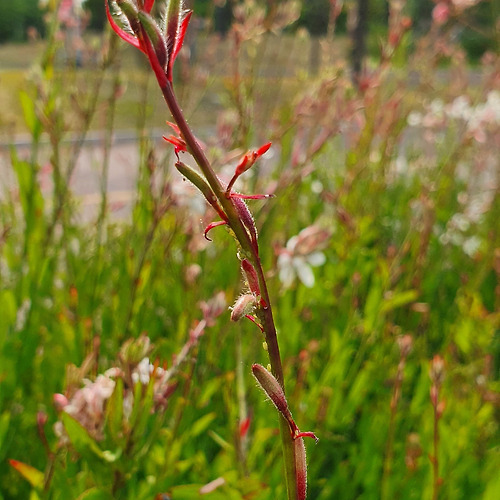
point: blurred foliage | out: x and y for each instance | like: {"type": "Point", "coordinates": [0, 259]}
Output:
{"type": "Point", "coordinates": [17, 17]}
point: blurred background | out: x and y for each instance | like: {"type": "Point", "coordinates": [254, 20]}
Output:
{"type": "Point", "coordinates": [121, 375]}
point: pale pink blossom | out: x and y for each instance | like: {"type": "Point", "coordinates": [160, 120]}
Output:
{"type": "Point", "coordinates": [440, 13]}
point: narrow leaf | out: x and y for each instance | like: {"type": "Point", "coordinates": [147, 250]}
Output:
{"type": "Point", "coordinates": [32, 475]}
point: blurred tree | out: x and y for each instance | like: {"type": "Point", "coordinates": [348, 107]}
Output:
{"type": "Point", "coordinates": [223, 16]}
{"type": "Point", "coordinates": [359, 34]}
{"type": "Point", "coordinates": [16, 17]}
{"type": "Point", "coordinates": [480, 33]}
{"type": "Point", "coordinates": [97, 14]}
{"type": "Point", "coordinates": [314, 16]}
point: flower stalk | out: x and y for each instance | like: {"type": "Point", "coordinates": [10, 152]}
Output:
{"type": "Point", "coordinates": [161, 44]}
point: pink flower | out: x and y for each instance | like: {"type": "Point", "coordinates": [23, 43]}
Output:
{"type": "Point", "coordinates": [440, 13]}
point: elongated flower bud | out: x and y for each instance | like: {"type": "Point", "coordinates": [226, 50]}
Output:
{"type": "Point", "coordinates": [243, 306]}
{"type": "Point", "coordinates": [273, 389]}
{"type": "Point", "coordinates": [202, 185]}
{"type": "Point", "coordinates": [155, 36]}
{"type": "Point", "coordinates": [300, 468]}
{"type": "Point", "coordinates": [131, 13]}
{"type": "Point", "coordinates": [247, 220]}
{"type": "Point", "coordinates": [251, 276]}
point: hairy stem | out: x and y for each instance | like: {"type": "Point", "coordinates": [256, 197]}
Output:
{"type": "Point", "coordinates": [265, 314]}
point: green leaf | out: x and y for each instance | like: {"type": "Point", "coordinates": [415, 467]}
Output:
{"type": "Point", "coordinates": [114, 412]}
{"type": "Point", "coordinates": [192, 492]}
{"type": "Point", "coordinates": [398, 299]}
{"type": "Point", "coordinates": [95, 494]}
{"type": "Point", "coordinates": [30, 118]}
{"type": "Point", "coordinates": [4, 427]}
{"type": "Point", "coordinates": [32, 475]}
{"type": "Point", "coordinates": [202, 424]}
{"type": "Point", "coordinates": [80, 438]}
{"type": "Point", "coordinates": [493, 489]}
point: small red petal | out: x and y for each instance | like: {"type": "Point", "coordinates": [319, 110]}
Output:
{"type": "Point", "coordinates": [148, 5]}
{"type": "Point", "coordinates": [179, 144]}
{"type": "Point", "coordinates": [242, 165]}
{"type": "Point", "coordinates": [263, 149]}
{"type": "Point", "coordinates": [174, 127]}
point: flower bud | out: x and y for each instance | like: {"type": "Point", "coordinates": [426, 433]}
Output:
{"type": "Point", "coordinates": [300, 468]}
{"type": "Point", "coordinates": [247, 220]}
{"type": "Point", "coordinates": [243, 306]}
{"type": "Point", "coordinates": [155, 36]}
{"type": "Point", "coordinates": [251, 276]}
{"type": "Point", "coordinates": [273, 389]}
{"type": "Point", "coordinates": [60, 401]}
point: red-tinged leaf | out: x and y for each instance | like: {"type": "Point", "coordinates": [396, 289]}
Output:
{"type": "Point", "coordinates": [251, 196]}
{"type": "Point", "coordinates": [32, 475]}
{"type": "Point", "coordinates": [309, 434]}
{"type": "Point", "coordinates": [254, 321]}
{"type": "Point", "coordinates": [211, 226]}
{"type": "Point", "coordinates": [120, 32]}
{"type": "Point", "coordinates": [178, 42]}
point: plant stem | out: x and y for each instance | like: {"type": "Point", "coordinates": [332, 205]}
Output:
{"type": "Point", "coordinates": [265, 313]}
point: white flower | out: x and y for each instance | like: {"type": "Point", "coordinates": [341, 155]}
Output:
{"type": "Point", "coordinates": [471, 245]}
{"type": "Point", "coordinates": [414, 119]}
{"type": "Point", "coordinates": [142, 372]}
{"type": "Point", "coordinates": [300, 255]}
{"type": "Point", "coordinates": [460, 108]}
{"type": "Point", "coordinates": [87, 404]}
